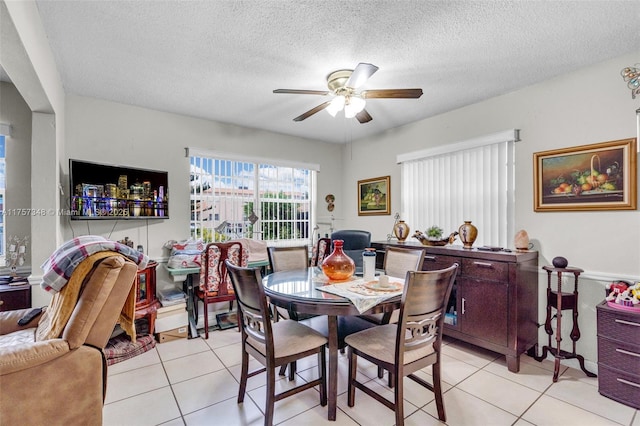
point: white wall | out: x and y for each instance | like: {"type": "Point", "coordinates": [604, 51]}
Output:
{"type": "Point", "coordinates": [587, 106]}
{"type": "Point", "coordinates": [112, 133]}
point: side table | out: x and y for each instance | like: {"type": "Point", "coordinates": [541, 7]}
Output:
{"type": "Point", "coordinates": [14, 297]}
{"type": "Point", "coordinates": [560, 301]}
{"type": "Point", "coordinates": [146, 301]}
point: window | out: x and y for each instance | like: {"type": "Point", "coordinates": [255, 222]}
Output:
{"type": "Point", "coordinates": [242, 198]}
{"type": "Point", "coordinates": [472, 180]}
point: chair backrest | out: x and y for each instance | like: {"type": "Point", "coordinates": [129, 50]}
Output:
{"type": "Point", "coordinates": [253, 312]}
{"type": "Point", "coordinates": [355, 241]}
{"type": "Point", "coordinates": [213, 270]}
{"type": "Point", "coordinates": [288, 258]}
{"type": "Point", "coordinates": [424, 301]}
{"type": "Point", "coordinates": [320, 251]}
{"type": "Point", "coordinates": [398, 261]}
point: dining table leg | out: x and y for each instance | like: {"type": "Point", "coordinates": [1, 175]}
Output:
{"type": "Point", "coordinates": [333, 365]}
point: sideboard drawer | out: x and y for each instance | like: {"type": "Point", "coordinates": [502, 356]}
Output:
{"type": "Point", "coordinates": [619, 325]}
{"type": "Point", "coordinates": [619, 385]}
{"type": "Point", "coordinates": [619, 354]}
{"type": "Point", "coordinates": [485, 269]}
{"type": "Point", "coordinates": [433, 262]}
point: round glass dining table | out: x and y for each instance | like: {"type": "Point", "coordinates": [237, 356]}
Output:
{"type": "Point", "coordinates": [297, 291]}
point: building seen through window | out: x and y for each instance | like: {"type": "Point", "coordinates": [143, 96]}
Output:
{"type": "Point", "coordinates": [243, 199]}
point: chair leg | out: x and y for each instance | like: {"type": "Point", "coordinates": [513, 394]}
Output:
{"type": "Point", "coordinates": [271, 396]}
{"type": "Point", "coordinates": [243, 376]}
{"type": "Point", "coordinates": [322, 371]}
{"type": "Point", "coordinates": [351, 389]}
{"type": "Point", "coordinates": [292, 371]}
{"type": "Point", "coordinates": [380, 372]}
{"type": "Point", "coordinates": [437, 391]}
{"type": "Point", "coordinates": [399, 398]}
{"type": "Point", "coordinates": [283, 370]}
{"type": "Point", "coordinates": [206, 317]}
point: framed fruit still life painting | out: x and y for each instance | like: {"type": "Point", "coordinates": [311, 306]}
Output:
{"type": "Point", "coordinates": [374, 196]}
{"type": "Point", "coordinates": [601, 176]}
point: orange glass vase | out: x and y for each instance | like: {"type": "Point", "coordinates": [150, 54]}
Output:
{"type": "Point", "coordinates": [338, 266]}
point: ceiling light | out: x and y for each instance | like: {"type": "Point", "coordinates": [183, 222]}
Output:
{"type": "Point", "coordinates": [354, 106]}
{"type": "Point", "coordinates": [336, 105]}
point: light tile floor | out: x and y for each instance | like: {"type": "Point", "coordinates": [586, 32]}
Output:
{"type": "Point", "coordinates": [195, 382]}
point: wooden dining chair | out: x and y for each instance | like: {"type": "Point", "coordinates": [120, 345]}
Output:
{"type": "Point", "coordinates": [215, 285]}
{"type": "Point", "coordinates": [287, 259]}
{"type": "Point", "coordinates": [408, 346]}
{"type": "Point", "coordinates": [272, 344]}
{"type": "Point", "coordinates": [397, 262]}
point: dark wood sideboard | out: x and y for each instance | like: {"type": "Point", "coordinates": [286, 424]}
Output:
{"type": "Point", "coordinates": [494, 302]}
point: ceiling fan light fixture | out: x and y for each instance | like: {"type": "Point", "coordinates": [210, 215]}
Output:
{"type": "Point", "coordinates": [354, 106]}
{"type": "Point", "coordinates": [336, 105]}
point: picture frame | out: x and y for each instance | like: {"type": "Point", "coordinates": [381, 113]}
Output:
{"type": "Point", "coordinates": [600, 176]}
{"type": "Point", "coordinates": [374, 196]}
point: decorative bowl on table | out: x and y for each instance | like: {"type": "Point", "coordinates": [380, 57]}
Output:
{"type": "Point", "coordinates": [427, 241]}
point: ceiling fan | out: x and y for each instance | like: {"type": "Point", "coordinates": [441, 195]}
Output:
{"type": "Point", "coordinates": [343, 85]}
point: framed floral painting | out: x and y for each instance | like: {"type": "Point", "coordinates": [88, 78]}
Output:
{"type": "Point", "coordinates": [601, 176]}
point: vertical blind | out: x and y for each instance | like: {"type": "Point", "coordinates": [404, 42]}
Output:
{"type": "Point", "coordinates": [474, 181]}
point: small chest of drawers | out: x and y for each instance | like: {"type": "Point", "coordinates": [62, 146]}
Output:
{"type": "Point", "coordinates": [15, 297]}
{"type": "Point", "coordinates": [619, 354]}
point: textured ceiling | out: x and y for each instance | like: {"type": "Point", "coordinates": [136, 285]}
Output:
{"type": "Point", "coordinates": [221, 60]}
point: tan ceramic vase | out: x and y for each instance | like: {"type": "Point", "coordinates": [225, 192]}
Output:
{"type": "Point", "coordinates": [401, 230]}
{"type": "Point", "coordinates": [468, 234]}
{"type": "Point", "coordinates": [338, 266]}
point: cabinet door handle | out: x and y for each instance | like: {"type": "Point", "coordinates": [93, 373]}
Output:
{"type": "Point", "coordinates": [622, 351]}
{"type": "Point", "coordinates": [627, 322]}
{"type": "Point", "coordinates": [463, 305]}
{"type": "Point", "coordinates": [431, 258]}
{"type": "Point", "coordinates": [483, 264]}
{"type": "Point", "coordinates": [627, 382]}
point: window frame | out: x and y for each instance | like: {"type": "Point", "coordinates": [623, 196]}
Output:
{"type": "Point", "coordinates": [205, 227]}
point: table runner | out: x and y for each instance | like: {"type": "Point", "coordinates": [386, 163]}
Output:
{"type": "Point", "coordinates": [362, 297]}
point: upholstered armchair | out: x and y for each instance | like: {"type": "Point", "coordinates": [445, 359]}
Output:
{"type": "Point", "coordinates": [52, 370]}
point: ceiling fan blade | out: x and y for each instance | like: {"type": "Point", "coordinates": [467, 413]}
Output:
{"type": "Point", "coordinates": [363, 116]}
{"type": "Point", "coordinates": [312, 111]}
{"type": "Point", "coordinates": [361, 74]}
{"type": "Point", "coordinates": [392, 93]}
{"type": "Point", "coordinates": [302, 92]}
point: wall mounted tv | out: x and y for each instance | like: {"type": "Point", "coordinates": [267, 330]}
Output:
{"type": "Point", "coordinates": [103, 191]}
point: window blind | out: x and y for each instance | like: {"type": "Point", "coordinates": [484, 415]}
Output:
{"type": "Point", "coordinates": [474, 181]}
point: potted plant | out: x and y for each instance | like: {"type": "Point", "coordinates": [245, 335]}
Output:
{"type": "Point", "coordinates": [434, 233]}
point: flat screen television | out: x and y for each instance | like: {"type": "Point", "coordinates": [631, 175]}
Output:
{"type": "Point", "coordinates": [105, 191]}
